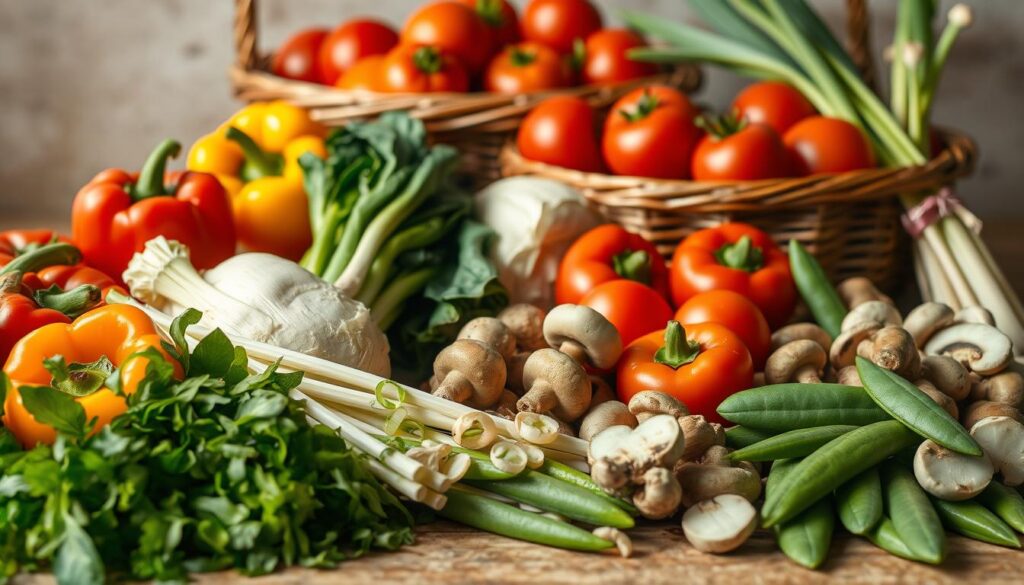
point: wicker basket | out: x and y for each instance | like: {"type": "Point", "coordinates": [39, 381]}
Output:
{"type": "Point", "coordinates": [478, 124]}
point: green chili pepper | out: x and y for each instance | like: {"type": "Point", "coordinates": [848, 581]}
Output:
{"type": "Point", "coordinates": [912, 514]}
{"type": "Point", "coordinates": [975, 521]}
{"type": "Point", "coordinates": [860, 502]}
{"type": "Point", "coordinates": [576, 477]}
{"type": "Point", "coordinates": [798, 443]}
{"type": "Point", "coordinates": [885, 537]}
{"type": "Point", "coordinates": [817, 291]}
{"type": "Point", "coordinates": [787, 407]}
{"type": "Point", "coordinates": [1005, 502]}
{"type": "Point", "coordinates": [484, 513]}
{"type": "Point", "coordinates": [907, 404]}
{"type": "Point", "coordinates": [833, 465]}
{"type": "Point", "coordinates": [740, 436]}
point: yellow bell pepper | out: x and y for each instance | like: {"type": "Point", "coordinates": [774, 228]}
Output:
{"type": "Point", "coordinates": [255, 156]}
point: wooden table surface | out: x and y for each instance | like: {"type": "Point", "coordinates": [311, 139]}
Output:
{"type": "Point", "coordinates": [450, 553]}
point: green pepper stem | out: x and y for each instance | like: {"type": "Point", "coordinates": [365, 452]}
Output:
{"type": "Point", "coordinates": [151, 178]}
{"type": "Point", "coordinates": [633, 265]}
{"type": "Point", "coordinates": [73, 302]}
{"type": "Point", "coordinates": [258, 162]}
{"type": "Point", "coordinates": [677, 351]}
{"type": "Point", "coordinates": [742, 255]}
{"type": "Point", "coordinates": [52, 254]}
{"type": "Point", "coordinates": [521, 57]}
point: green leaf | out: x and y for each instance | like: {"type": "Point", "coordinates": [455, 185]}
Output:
{"type": "Point", "coordinates": [77, 561]}
{"type": "Point", "coordinates": [262, 404]}
{"type": "Point", "coordinates": [55, 409]}
{"type": "Point", "coordinates": [214, 355]}
{"type": "Point", "coordinates": [178, 327]}
{"type": "Point", "coordinates": [5, 387]}
{"type": "Point", "coordinates": [78, 379]}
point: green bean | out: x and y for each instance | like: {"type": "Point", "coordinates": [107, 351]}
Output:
{"type": "Point", "coordinates": [484, 513]}
{"type": "Point", "coordinates": [833, 465]}
{"type": "Point", "coordinates": [912, 514]}
{"type": "Point", "coordinates": [554, 495]}
{"type": "Point", "coordinates": [860, 502]}
{"type": "Point", "coordinates": [817, 291]}
{"type": "Point", "coordinates": [806, 538]}
{"type": "Point", "coordinates": [739, 436]}
{"type": "Point", "coordinates": [559, 470]}
{"type": "Point", "coordinates": [1005, 502]}
{"type": "Point", "coordinates": [907, 404]}
{"type": "Point", "coordinates": [798, 443]}
{"type": "Point", "coordinates": [973, 520]}
{"type": "Point", "coordinates": [787, 407]}
{"type": "Point", "coordinates": [885, 537]}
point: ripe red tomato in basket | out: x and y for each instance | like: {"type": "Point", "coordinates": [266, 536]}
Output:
{"type": "Point", "coordinates": [526, 67]}
{"type": "Point", "coordinates": [828, 145]}
{"type": "Point", "coordinates": [605, 59]}
{"type": "Point", "coordinates": [298, 58]}
{"type": "Point", "coordinates": [453, 27]}
{"type": "Point", "coordinates": [421, 69]}
{"type": "Point", "coordinates": [650, 132]}
{"type": "Point", "coordinates": [773, 103]}
{"type": "Point", "coordinates": [559, 23]}
{"type": "Point", "coordinates": [739, 151]}
{"type": "Point", "coordinates": [560, 131]}
{"type": "Point", "coordinates": [500, 17]}
{"type": "Point", "coordinates": [351, 42]}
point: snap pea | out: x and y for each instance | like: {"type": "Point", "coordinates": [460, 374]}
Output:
{"type": "Point", "coordinates": [973, 520]}
{"type": "Point", "coordinates": [484, 513]}
{"type": "Point", "coordinates": [907, 404]}
{"type": "Point", "coordinates": [740, 436]}
{"type": "Point", "coordinates": [817, 291]}
{"type": "Point", "coordinates": [885, 537]}
{"type": "Point", "coordinates": [912, 514]}
{"type": "Point", "coordinates": [554, 495]}
{"type": "Point", "coordinates": [798, 443]}
{"type": "Point", "coordinates": [1005, 502]}
{"type": "Point", "coordinates": [860, 502]}
{"type": "Point", "coordinates": [559, 470]}
{"type": "Point", "coordinates": [787, 407]}
{"type": "Point", "coordinates": [833, 465]}
{"type": "Point", "coordinates": [806, 538]}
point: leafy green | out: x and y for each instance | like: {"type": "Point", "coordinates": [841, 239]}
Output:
{"type": "Point", "coordinates": [217, 470]}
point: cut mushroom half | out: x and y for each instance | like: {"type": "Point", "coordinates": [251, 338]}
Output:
{"type": "Point", "coordinates": [981, 348]}
{"type": "Point", "coordinates": [474, 430]}
{"type": "Point", "coordinates": [536, 428]}
{"type": "Point", "coordinates": [1002, 440]}
{"type": "Point", "coordinates": [619, 453]}
{"type": "Point", "coordinates": [721, 524]}
{"type": "Point", "coordinates": [584, 334]}
{"type": "Point", "coordinates": [949, 475]}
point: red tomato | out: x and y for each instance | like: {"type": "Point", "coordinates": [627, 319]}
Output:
{"type": "Point", "coordinates": [773, 103]}
{"type": "Point", "coordinates": [526, 67]}
{"type": "Point", "coordinates": [635, 309]}
{"type": "Point", "coordinates": [298, 58]}
{"type": "Point", "coordinates": [364, 75]}
{"type": "Point", "coordinates": [749, 153]}
{"type": "Point", "coordinates": [558, 23]}
{"type": "Point", "coordinates": [454, 28]}
{"type": "Point", "coordinates": [560, 131]}
{"type": "Point", "coordinates": [737, 313]}
{"type": "Point", "coordinates": [828, 145]}
{"type": "Point", "coordinates": [350, 42]}
{"type": "Point", "coordinates": [500, 17]}
{"type": "Point", "coordinates": [421, 69]}
{"type": "Point", "coordinates": [605, 60]}
{"type": "Point", "coordinates": [650, 132]}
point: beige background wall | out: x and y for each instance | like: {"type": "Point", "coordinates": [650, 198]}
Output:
{"type": "Point", "coordinates": [86, 84]}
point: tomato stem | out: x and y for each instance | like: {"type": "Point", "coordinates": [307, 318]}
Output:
{"type": "Point", "coordinates": [719, 127]}
{"type": "Point", "coordinates": [645, 106]}
{"type": "Point", "coordinates": [490, 12]}
{"type": "Point", "coordinates": [678, 350]}
{"type": "Point", "coordinates": [633, 265]}
{"type": "Point", "coordinates": [151, 177]}
{"type": "Point", "coordinates": [521, 57]}
{"type": "Point", "coordinates": [741, 255]}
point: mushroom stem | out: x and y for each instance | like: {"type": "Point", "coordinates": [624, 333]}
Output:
{"type": "Point", "coordinates": [574, 350]}
{"type": "Point", "coordinates": [454, 387]}
{"type": "Point", "coordinates": [678, 350]}
{"type": "Point", "coordinates": [807, 375]}
{"type": "Point", "coordinates": [541, 398]}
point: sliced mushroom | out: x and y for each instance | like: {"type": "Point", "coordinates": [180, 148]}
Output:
{"type": "Point", "coordinates": [535, 428]}
{"type": "Point", "coordinates": [527, 324]}
{"type": "Point", "coordinates": [584, 334]}
{"type": "Point", "coordinates": [604, 415]}
{"type": "Point", "coordinates": [619, 453]}
{"type": "Point", "coordinates": [720, 524]}
{"type": "Point", "coordinates": [801, 331]}
{"type": "Point", "coordinates": [474, 430]}
{"type": "Point", "coordinates": [648, 403]}
{"type": "Point", "coordinates": [927, 318]}
{"type": "Point", "coordinates": [947, 374]}
{"type": "Point", "coordinates": [555, 383]}
{"type": "Point", "coordinates": [844, 348]}
{"type": "Point", "coordinates": [471, 373]}
{"type": "Point", "coordinates": [858, 290]}
{"type": "Point", "coordinates": [948, 475]}
{"type": "Point", "coordinates": [1002, 440]}
{"type": "Point", "coordinates": [1006, 387]}
{"type": "Point", "coordinates": [659, 494]}
{"type": "Point", "coordinates": [492, 333]}
{"type": "Point", "coordinates": [892, 348]}
{"type": "Point", "coordinates": [881, 313]}
{"type": "Point", "coordinates": [980, 348]}
{"type": "Point", "coordinates": [800, 361]}
{"type": "Point", "coordinates": [621, 540]}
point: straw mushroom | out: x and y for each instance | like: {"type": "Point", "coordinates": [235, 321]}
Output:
{"type": "Point", "coordinates": [947, 374]}
{"type": "Point", "coordinates": [526, 322]}
{"type": "Point", "coordinates": [471, 373]}
{"type": "Point", "coordinates": [801, 331]}
{"type": "Point", "coordinates": [584, 334]}
{"type": "Point", "coordinates": [892, 348]}
{"type": "Point", "coordinates": [555, 383]}
{"type": "Point", "coordinates": [720, 524]}
{"type": "Point", "coordinates": [604, 415]}
{"type": "Point", "coordinates": [949, 475]}
{"type": "Point", "coordinates": [927, 318]}
{"type": "Point", "coordinates": [643, 405]}
{"type": "Point", "coordinates": [858, 290]}
{"type": "Point", "coordinates": [800, 361]}
{"type": "Point", "coordinates": [1006, 387]}
{"type": "Point", "coordinates": [881, 313]}
{"type": "Point", "coordinates": [981, 348]}
{"type": "Point", "coordinates": [492, 333]}
{"type": "Point", "coordinates": [715, 474]}
{"type": "Point", "coordinates": [1002, 440]}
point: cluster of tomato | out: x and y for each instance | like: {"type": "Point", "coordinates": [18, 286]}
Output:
{"type": "Point", "coordinates": [458, 45]}
{"type": "Point", "coordinates": [730, 286]}
{"type": "Point", "coordinates": [772, 131]}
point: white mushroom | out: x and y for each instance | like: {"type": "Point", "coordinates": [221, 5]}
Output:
{"type": "Point", "coordinates": [619, 453]}
{"type": "Point", "coordinates": [927, 318]}
{"type": "Point", "coordinates": [1002, 440]}
{"type": "Point", "coordinates": [797, 331]}
{"type": "Point", "coordinates": [604, 415]}
{"type": "Point", "coordinates": [975, 314]}
{"type": "Point", "coordinates": [892, 348]}
{"type": "Point", "coordinates": [492, 333]}
{"type": "Point", "coordinates": [536, 428]}
{"type": "Point", "coordinates": [527, 325]}
{"type": "Point", "coordinates": [858, 290]}
{"type": "Point", "coordinates": [800, 361]}
{"type": "Point", "coordinates": [620, 538]}
{"type": "Point", "coordinates": [584, 334]}
{"type": "Point", "coordinates": [844, 348]}
{"type": "Point", "coordinates": [715, 474]}
{"type": "Point", "coordinates": [474, 430]}
{"type": "Point", "coordinates": [647, 403]}
{"type": "Point", "coordinates": [721, 524]}
{"type": "Point", "coordinates": [947, 374]}
{"type": "Point", "coordinates": [981, 348]}
{"type": "Point", "coordinates": [877, 312]}
{"type": "Point", "coordinates": [555, 383]}
{"type": "Point", "coordinates": [469, 372]}
{"type": "Point", "coordinates": [949, 475]}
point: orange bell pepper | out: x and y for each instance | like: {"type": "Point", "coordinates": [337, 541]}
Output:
{"type": "Point", "coordinates": [701, 366]}
{"type": "Point", "coordinates": [255, 156]}
{"type": "Point", "coordinates": [113, 332]}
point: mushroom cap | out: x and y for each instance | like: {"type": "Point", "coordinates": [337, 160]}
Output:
{"type": "Point", "coordinates": [979, 347]}
{"type": "Point", "coordinates": [848, 376]}
{"type": "Point", "coordinates": [784, 363]}
{"type": "Point", "coordinates": [975, 314]}
{"type": "Point", "coordinates": [585, 327]}
{"type": "Point", "coordinates": [650, 402]}
{"type": "Point", "coordinates": [983, 409]}
{"type": "Point", "coordinates": [1002, 440]}
{"type": "Point", "coordinates": [878, 312]}
{"type": "Point", "coordinates": [1006, 387]}
{"type": "Point", "coordinates": [947, 374]}
{"type": "Point", "coordinates": [797, 331]}
{"type": "Point", "coordinates": [526, 322]}
{"type": "Point", "coordinates": [949, 475]}
{"type": "Point", "coordinates": [479, 365]}
{"type": "Point", "coordinates": [720, 524]}
{"type": "Point", "coordinates": [927, 318]}
{"type": "Point", "coordinates": [492, 333]}
{"type": "Point", "coordinates": [604, 415]}
{"type": "Point", "coordinates": [566, 378]}
{"type": "Point", "coordinates": [844, 348]}
{"type": "Point", "coordinates": [858, 289]}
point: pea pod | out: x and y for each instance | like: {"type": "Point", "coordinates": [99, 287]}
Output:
{"type": "Point", "coordinates": [975, 521]}
{"type": "Point", "coordinates": [806, 538]}
{"type": "Point", "coordinates": [885, 537]}
{"type": "Point", "coordinates": [787, 407]}
{"type": "Point", "coordinates": [559, 470]}
{"type": "Point", "coordinates": [860, 502]}
{"type": "Point", "coordinates": [833, 465]}
{"type": "Point", "coordinates": [817, 291]}
{"type": "Point", "coordinates": [740, 436]}
{"type": "Point", "coordinates": [798, 443]}
{"type": "Point", "coordinates": [554, 495]}
{"type": "Point", "coordinates": [484, 513]}
{"type": "Point", "coordinates": [1005, 502]}
{"type": "Point", "coordinates": [912, 514]}
{"type": "Point", "coordinates": [907, 404]}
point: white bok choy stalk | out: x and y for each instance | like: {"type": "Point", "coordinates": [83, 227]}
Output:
{"type": "Point", "coordinates": [263, 298]}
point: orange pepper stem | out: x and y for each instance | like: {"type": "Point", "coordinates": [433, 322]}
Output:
{"type": "Point", "coordinates": [258, 162]}
{"type": "Point", "coordinates": [77, 379]}
{"type": "Point", "coordinates": [677, 351]}
{"type": "Point", "coordinates": [151, 177]}
{"type": "Point", "coordinates": [52, 254]}
{"type": "Point", "coordinates": [73, 302]}
{"type": "Point", "coordinates": [633, 265]}
{"type": "Point", "coordinates": [743, 255]}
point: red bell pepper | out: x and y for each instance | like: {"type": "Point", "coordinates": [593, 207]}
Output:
{"type": "Point", "coordinates": [606, 253]}
{"type": "Point", "coordinates": [22, 311]}
{"type": "Point", "coordinates": [117, 212]}
{"type": "Point", "coordinates": [736, 257]}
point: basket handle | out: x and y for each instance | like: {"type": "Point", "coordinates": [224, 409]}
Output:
{"type": "Point", "coordinates": [245, 34]}
{"type": "Point", "coordinates": [858, 39]}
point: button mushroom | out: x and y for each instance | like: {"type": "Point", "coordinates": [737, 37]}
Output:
{"type": "Point", "coordinates": [800, 361]}
{"type": "Point", "coordinates": [948, 475]}
{"type": "Point", "coordinates": [981, 348]}
{"type": "Point", "coordinates": [947, 374]}
{"type": "Point", "coordinates": [715, 474]}
{"type": "Point", "coordinates": [720, 524]}
{"type": "Point", "coordinates": [1002, 440]}
{"type": "Point", "coordinates": [938, 397]}
{"type": "Point", "coordinates": [801, 331]}
{"type": "Point", "coordinates": [878, 312]}
{"type": "Point", "coordinates": [492, 333]}
{"type": "Point", "coordinates": [470, 373]}
{"type": "Point", "coordinates": [555, 383]}
{"type": "Point", "coordinates": [648, 403]}
{"type": "Point", "coordinates": [699, 436]}
{"type": "Point", "coordinates": [527, 324]}
{"type": "Point", "coordinates": [975, 314]}
{"type": "Point", "coordinates": [844, 348]}
{"type": "Point", "coordinates": [602, 391]}
{"type": "Point", "coordinates": [584, 334]}
{"type": "Point", "coordinates": [858, 290]}
{"type": "Point", "coordinates": [983, 409]}
{"type": "Point", "coordinates": [1005, 387]}
{"type": "Point", "coordinates": [659, 494]}
{"type": "Point", "coordinates": [892, 348]}
{"type": "Point", "coordinates": [619, 454]}
{"type": "Point", "coordinates": [849, 376]}
{"type": "Point", "coordinates": [604, 415]}
{"type": "Point", "coordinates": [927, 318]}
